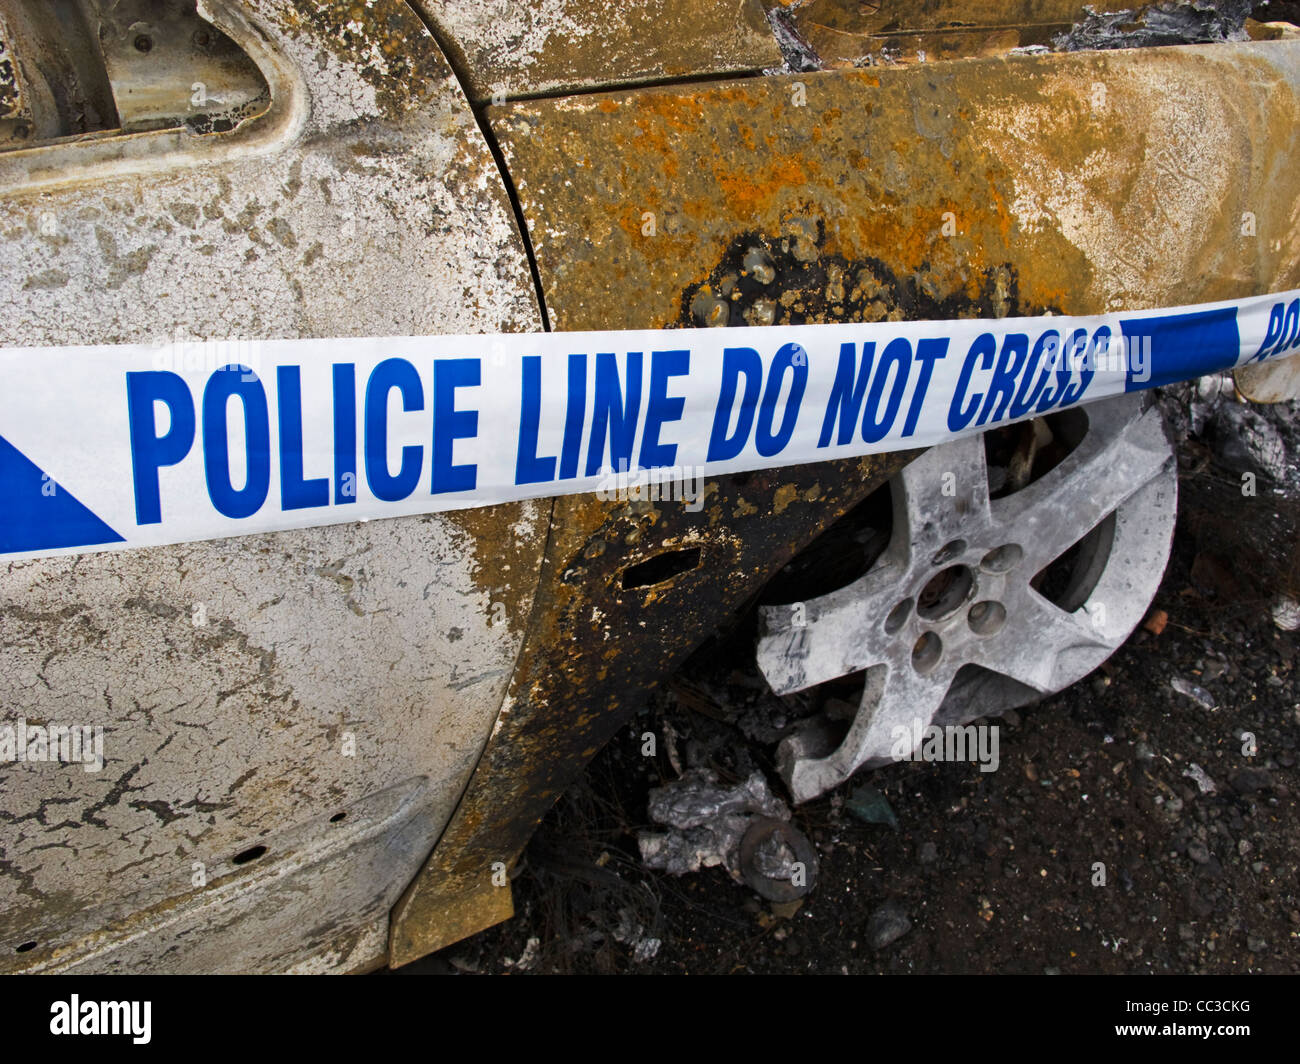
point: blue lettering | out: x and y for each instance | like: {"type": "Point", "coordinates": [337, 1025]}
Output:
{"type": "Point", "coordinates": [237, 382]}
{"type": "Point", "coordinates": [928, 352]}
{"type": "Point", "coordinates": [529, 469]}
{"type": "Point", "coordinates": [985, 348]}
{"type": "Point", "coordinates": [295, 492]}
{"type": "Point", "coordinates": [450, 424]}
{"type": "Point", "coordinates": [149, 451]}
{"type": "Point", "coordinates": [389, 374]}
{"type": "Point", "coordinates": [1002, 385]}
{"type": "Point", "coordinates": [575, 414]}
{"type": "Point", "coordinates": [345, 433]}
{"type": "Point", "coordinates": [614, 417]}
{"type": "Point", "coordinates": [736, 362]}
{"type": "Point", "coordinates": [660, 408]}
{"type": "Point", "coordinates": [1290, 325]}
{"type": "Point", "coordinates": [848, 391]}
{"type": "Point", "coordinates": [795, 359]}
{"type": "Point", "coordinates": [1047, 344]}
{"type": "Point", "coordinates": [1098, 347]}
{"type": "Point", "coordinates": [1272, 335]}
{"type": "Point", "coordinates": [896, 359]}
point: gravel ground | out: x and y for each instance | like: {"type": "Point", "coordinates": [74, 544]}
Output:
{"type": "Point", "coordinates": [996, 871]}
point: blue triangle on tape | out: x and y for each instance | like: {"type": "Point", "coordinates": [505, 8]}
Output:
{"type": "Point", "coordinates": [38, 514]}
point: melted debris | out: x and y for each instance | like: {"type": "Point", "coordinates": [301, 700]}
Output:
{"type": "Point", "coordinates": [1173, 22]}
{"type": "Point", "coordinates": [799, 55]}
{"type": "Point", "coordinates": [707, 821]}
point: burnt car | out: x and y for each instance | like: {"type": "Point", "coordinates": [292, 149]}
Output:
{"type": "Point", "coordinates": [324, 748]}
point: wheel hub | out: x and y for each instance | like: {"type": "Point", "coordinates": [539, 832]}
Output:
{"type": "Point", "coordinates": [953, 621]}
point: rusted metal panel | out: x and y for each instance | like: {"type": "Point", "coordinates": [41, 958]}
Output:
{"type": "Point", "coordinates": [550, 46]}
{"type": "Point", "coordinates": [288, 719]}
{"type": "Point", "coordinates": [15, 112]}
{"type": "Point", "coordinates": [1077, 183]}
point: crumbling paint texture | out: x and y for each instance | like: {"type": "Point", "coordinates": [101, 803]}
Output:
{"type": "Point", "coordinates": [551, 46]}
{"type": "Point", "coordinates": [289, 245]}
{"type": "Point", "coordinates": [230, 675]}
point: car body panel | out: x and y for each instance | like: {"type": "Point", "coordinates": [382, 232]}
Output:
{"type": "Point", "coordinates": [253, 689]}
{"type": "Point", "coordinates": [1074, 183]}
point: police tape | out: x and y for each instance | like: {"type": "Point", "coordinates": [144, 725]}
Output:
{"type": "Point", "coordinates": [114, 447]}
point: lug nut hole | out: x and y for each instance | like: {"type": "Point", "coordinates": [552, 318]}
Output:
{"type": "Point", "coordinates": [985, 618]}
{"type": "Point", "coordinates": [898, 616]}
{"type": "Point", "coordinates": [949, 551]}
{"type": "Point", "coordinates": [927, 652]}
{"type": "Point", "coordinates": [1002, 559]}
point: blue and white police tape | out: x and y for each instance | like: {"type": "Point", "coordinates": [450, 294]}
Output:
{"type": "Point", "coordinates": [113, 447]}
